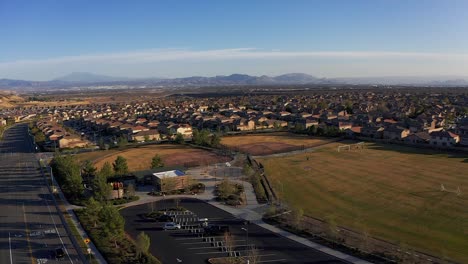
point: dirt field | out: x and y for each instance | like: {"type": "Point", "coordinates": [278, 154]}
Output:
{"type": "Point", "coordinates": [393, 192]}
{"type": "Point", "coordinates": [140, 158]}
{"type": "Point", "coordinates": [266, 144]}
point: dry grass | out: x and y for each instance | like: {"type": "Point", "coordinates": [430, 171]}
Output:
{"type": "Point", "coordinates": [394, 192]}
{"type": "Point", "coordinates": [266, 144]}
{"type": "Point", "coordinates": [140, 158]}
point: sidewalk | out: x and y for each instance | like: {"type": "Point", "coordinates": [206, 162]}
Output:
{"type": "Point", "coordinates": [252, 212]}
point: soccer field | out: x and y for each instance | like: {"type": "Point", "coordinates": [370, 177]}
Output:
{"type": "Point", "coordinates": [393, 192]}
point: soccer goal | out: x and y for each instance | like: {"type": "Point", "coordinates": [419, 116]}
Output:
{"type": "Point", "coordinates": [455, 191]}
{"type": "Point", "coordinates": [344, 147]}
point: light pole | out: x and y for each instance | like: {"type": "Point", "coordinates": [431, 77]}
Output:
{"type": "Point", "coordinates": [246, 229]}
{"type": "Point", "coordinates": [247, 234]}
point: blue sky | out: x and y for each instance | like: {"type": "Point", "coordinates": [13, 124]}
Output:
{"type": "Point", "coordinates": [41, 40]}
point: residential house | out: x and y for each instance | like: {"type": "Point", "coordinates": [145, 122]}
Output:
{"type": "Point", "coordinates": [395, 133]}
{"type": "Point", "coordinates": [372, 132]}
{"type": "Point", "coordinates": [444, 139]}
{"type": "Point", "coordinates": [152, 135]}
{"type": "Point", "coordinates": [418, 138]}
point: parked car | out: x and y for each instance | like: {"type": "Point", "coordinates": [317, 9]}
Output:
{"type": "Point", "coordinates": [171, 226]}
{"type": "Point", "coordinates": [166, 218]}
{"type": "Point", "coordinates": [59, 253]}
{"type": "Point", "coordinates": [215, 230]}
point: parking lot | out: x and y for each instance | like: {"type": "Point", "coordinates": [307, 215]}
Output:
{"type": "Point", "coordinates": [191, 245]}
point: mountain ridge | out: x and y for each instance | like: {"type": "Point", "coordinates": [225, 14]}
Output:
{"type": "Point", "coordinates": [83, 79]}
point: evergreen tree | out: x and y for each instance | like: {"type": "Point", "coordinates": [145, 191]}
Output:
{"type": "Point", "coordinates": [89, 170]}
{"type": "Point", "coordinates": [142, 243]}
{"type": "Point", "coordinates": [106, 170]}
{"type": "Point", "coordinates": [215, 140]}
{"type": "Point", "coordinates": [92, 210]}
{"type": "Point", "coordinates": [101, 189]}
{"type": "Point", "coordinates": [120, 166]}
{"type": "Point", "coordinates": [179, 139]}
{"type": "Point", "coordinates": [156, 162]}
{"type": "Point", "coordinates": [112, 223]}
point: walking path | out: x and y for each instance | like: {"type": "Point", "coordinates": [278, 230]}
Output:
{"type": "Point", "coordinates": [252, 211]}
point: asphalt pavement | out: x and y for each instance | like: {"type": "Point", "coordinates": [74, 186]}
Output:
{"type": "Point", "coordinates": [186, 246]}
{"type": "Point", "coordinates": [31, 227]}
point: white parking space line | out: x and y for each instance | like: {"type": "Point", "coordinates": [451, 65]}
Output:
{"type": "Point", "coordinates": [207, 242]}
{"type": "Point", "coordinates": [188, 238]}
{"type": "Point", "coordinates": [201, 247]}
{"type": "Point", "coordinates": [273, 260]}
{"type": "Point", "coordinates": [214, 252]}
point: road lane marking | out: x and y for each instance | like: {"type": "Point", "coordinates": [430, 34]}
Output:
{"type": "Point", "coordinates": [27, 235]}
{"type": "Point", "coordinates": [55, 225]}
{"type": "Point", "coordinates": [11, 255]}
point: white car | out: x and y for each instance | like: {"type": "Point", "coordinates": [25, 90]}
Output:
{"type": "Point", "coordinates": [171, 226]}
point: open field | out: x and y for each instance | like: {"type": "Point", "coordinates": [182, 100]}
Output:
{"type": "Point", "coordinates": [393, 192]}
{"type": "Point", "coordinates": [139, 158]}
{"type": "Point", "coordinates": [266, 144]}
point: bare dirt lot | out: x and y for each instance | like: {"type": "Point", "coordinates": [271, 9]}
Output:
{"type": "Point", "coordinates": [266, 144]}
{"type": "Point", "coordinates": [139, 158]}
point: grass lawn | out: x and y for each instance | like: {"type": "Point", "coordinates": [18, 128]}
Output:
{"type": "Point", "coordinates": [139, 158]}
{"type": "Point", "coordinates": [392, 191]}
{"type": "Point", "coordinates": [264, 144]}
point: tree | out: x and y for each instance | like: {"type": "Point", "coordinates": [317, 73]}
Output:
{"type": "Point", "coordinates": [39, 137]}
{"type": "Point", "coordinates": [92, 210]}
{"type": "Point", "coordinates": [156, 162]}
{"type": "Point", "coordinates": [112, 223]}
{"type": "Point", "coordinates": [296, 217]}
{"type": "Point", "coordinates": [101, 189]}
{"type": "Point", "coordinates": [225, 188]}
{"type": "Point", "coordinates": [74, 183]}
{"type": "Point", "coordinates": [130, 191]}
{"type": "Point", "coordinates": [101, 143]}
{"type": "Point", "coordinates": [120, 166]}
{"type": "Point", "coordinates": [89, 170]}
{"type": "Point", "coordinates": [122, 142]}
{"type": "Point", "coordinates": [228, 242]}
{"type": "Point", "coordinates": [179, 138]}
{"type": "Point", "coordinates": [253, 255]}
{"type": "Point", "coordinates": [106, 170]}
{"type": "Point", "coordinates": [142, 243]}
{"type": "Point", "coordinates": [69, 175]}
{"type": "Point", "coordinates": [313, 130]}
{"type": "Point", "coordinates": [147, 138]}
{"type": "Point", "coordinates": [332, 229]}
{"type": "Point", "coordinates": [215, 140]}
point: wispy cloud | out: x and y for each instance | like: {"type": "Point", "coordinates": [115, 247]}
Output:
{"type": "Point", "coordinates": [161, 55]}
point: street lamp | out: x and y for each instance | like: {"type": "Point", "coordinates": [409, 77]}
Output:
{"type": "Point", "coordinates": [247, 234]}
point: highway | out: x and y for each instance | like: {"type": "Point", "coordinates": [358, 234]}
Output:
{"type": "Point", "coordinates": [31, 228]}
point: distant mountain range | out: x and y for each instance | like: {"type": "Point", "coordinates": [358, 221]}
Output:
{"type": "Point", "coordinates": [84, 79]}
